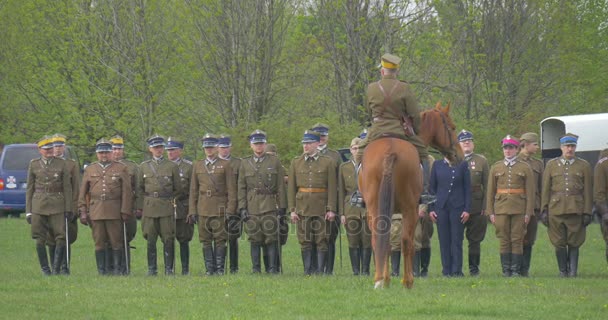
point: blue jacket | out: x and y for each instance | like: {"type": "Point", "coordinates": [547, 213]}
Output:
{"type": "Point", "coordinates": [451, 185]}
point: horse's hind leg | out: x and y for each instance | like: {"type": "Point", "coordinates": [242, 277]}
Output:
{"type": "Point", "coordinates": [409, 221]}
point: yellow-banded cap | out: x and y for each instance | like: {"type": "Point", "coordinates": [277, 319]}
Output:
{"type": "Point", "coordinates": [58, 139]}
{"type": "Point", "coordinates": [117, 142]}
{"type": "Point", "coordinates": [390, 61]}
{"type": "Point", "coordinates": [46, 142]}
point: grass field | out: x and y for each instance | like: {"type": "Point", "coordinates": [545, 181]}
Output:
{"type": "Point", "coordinates": [26, 294]}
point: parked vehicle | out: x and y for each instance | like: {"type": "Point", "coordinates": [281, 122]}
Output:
{"type": "Point", "coordinates": [14, 163]}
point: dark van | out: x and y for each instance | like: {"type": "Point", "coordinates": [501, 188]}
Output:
{"type": "Point", "coordinates": [14, 162]}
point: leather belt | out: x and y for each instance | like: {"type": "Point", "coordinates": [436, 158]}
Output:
{"type": "Point", "coordinates": [567, 193]}
{"type": "Point", "coordinates": [510, 191]}
{"type": "Point", "coordinates": [159, 195]}
{"type": "Point", "coordinates": [264, 191]}
{"type": "Point", "coordinates": [210, 193]}
{"type": "Point", "coordinates": [475, 188]}
{"type": "Point", "coordinates": [48, 190]}
{"type": "Point", "coordinates": [312, 190]}
{"type": "Point", "coordinates": [103, 197]}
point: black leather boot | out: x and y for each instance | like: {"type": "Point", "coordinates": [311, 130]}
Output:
{"type": "Point", "coordinates": [416, 263]}
{"type": "Point", "coordinates": [355, 260]}
{"type": "Point", "coordinates": [425, 261]}
{"type": "Point", "coordinates": [51, 253]}
{"type": "Point", "coordinates": [184, 256]}
{"type": "Point", "coordinates": [65, 269]}
{"type": "Point", "coordinates": [516, 260]}
{"type": "Point", "coordinates": [366, 257]}
{"type": "Point", "coordinates": [321, 261]}
{"type": "Point", "coordinates": [572, 262]}
{"type": "Point", "coordinates": [152, 264]}
{"type": "Point", "coordinates": [562, 261]}
{"type": "Point", "coordinates": [271, 249]}
{"type": "Point", "coordinates": [255, 258]}
{"type": "Point", "coordinates": [43, 259]}
{"type": "Point", "coordinates": [233, 247]}
{"type": "Point", "coordinates": [314, 262]}
{"type": "Point", "coordinates": [505, 262]}
{"type": "Point", "coordinates": [109, 260]}
{"type": "Point", "coordinates": [220, 259]}
{"type": "Point", "coordinates": [169, 257]}
{"type": "Point", "coordinates": [100, 259]}
{"type": "Point", "coordinates": [126, 265]}
{"type": "Point", "coordinates": [59, 256]}
{"type": "Point", "coordinates": [474, 264]}
{"type": "Point", "coordinates": [264, 257]}
{"type": "Point", "coordinates": [209, 260]}
{"type": "Point", "coordinates": [331, 253]}
{"type": "Point", "coordinates": [395, 260]}
{"type": "Point", "coordinates": [525, 262]}
{"type": "Point", "coordinates": [307, 261]}
{"type": "Point", "coordinates": [117, 258]}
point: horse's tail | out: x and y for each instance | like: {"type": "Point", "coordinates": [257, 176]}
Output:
{"type": "Point", "coordinates": [386, 208]}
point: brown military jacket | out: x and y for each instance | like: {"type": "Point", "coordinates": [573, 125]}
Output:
{"type": "Point", "coordinates": [312, 186]}
{"type": "Point", "coordinates": [347, 184]}
{"type": "Point", "coordinates": [132, 168]}
{"type": "Point", "coordinates": [109, 189]}
{"type": "Point", "coordinates": [537, 167]}
{"type": "Point", "coordinates": [185, 174]}
{"type": "Point", "coordinates": [511, 189]}
{"type": "Point", "coordinates": [261, 186]}
{"type": "Point", "coordinates": [600, 185]}
{"type": "Point", "coordinates": [479, 169]}
{"type": "Point", "coordinates": [49, 190]}
{"type": "Point", "coordinates": [74, 180]}
{"type": "Point", "coordinates": [212, 189]}
{"type": "Point", "coordinates": [567, 189]}
{"type": "Point", "coordinates": [332, 154]}
{"type": "Point", "coordinates": [157, 185]}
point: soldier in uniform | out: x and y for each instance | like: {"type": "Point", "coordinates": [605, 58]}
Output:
{"type": "Point", "coordinates": [529, 147]}
{"type": "Point", "coordinates": [158, 185]}
{"type": "Point", "coordinates": [354, 218]}
{"type": "Point", "coordinates": [118, 154]}
{"type": "Point", "coordinates": [262, 200]}
{"type": "Point", "coordinates": [422, 241]}
{"type": "Point", "coordinates": [510, 204]}
{"type": "Point", "coordinates": [566, 204]}
{"type": "Point", "coordinates": [105, 202]}
{"type": "Point", "coordinates": [312, 193]}
{"type": "Point", "coordinates": [212, 202]}
{"type": "Point", "coordinates": [271, 149]}
{"type": "Point", "coordinates": [235, 225]}
{"type": "Point", "coordinates": [59, 141]}
{"type": "Point", "coordinates": [600, 193]}
{"type": "Point", "coordinates": [48, 203]}
{"type": "Point", "coordinates": [183, 230]}
{"type": "Point", "coordinates": [475, 227]}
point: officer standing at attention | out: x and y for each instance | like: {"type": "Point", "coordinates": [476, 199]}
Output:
{"type": "Point", "coordinates": [235, 225]}
{"type": "Point", "coordinates": [475, 227]}
{"type": "Point", "coordinates": [118, 154]}
{"type": "Point", "coordinates": [600, 193]}
{"type": "Point", "coordinates": [271, 149]}
{"type": "Point", "coordinates": [311, 194]}
{"type": "Point", "coordinates": [566, 203]}
{"type": "Point", "coordinates": [529, 147]}
{"type": "Point", "coordinates": [183, 230]}
{"type": "Point", "coordinates": [158, 185]}
{"type": "Point", "coordinates": [48, 202]}
{"type": "Point", "coordinates": [262, 200]}
{"type": "Point", "coordinates": [212, 203]}
{"type": "Point", "coordinates": [106, 185]}
{"type": "Point", "coordinates": [510, 204]}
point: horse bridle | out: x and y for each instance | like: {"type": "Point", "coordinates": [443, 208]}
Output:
{"type": "Point", "coordinates": [448, 131]}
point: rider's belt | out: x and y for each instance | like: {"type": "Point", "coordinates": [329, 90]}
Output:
{"type": "Point", "coordinates": [312, 190]}
{"type": "Point", "coordinates": [48, 190]}
{"type": "Point", "coordinates": [510, 191]}
{"type": "Point", "coordinates": [210, 194]}
{"type": "Point", "coordinates": [160, 195]}
{"type": "Point", "coordinates": [264, 191]}
{"type": "Point", "coordinates": [103, 197]}
{"type": "Point", "coordinates": [566, 193]}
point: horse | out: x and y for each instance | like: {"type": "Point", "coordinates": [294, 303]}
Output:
{"type": "Point", "coordinates": [391, 181]}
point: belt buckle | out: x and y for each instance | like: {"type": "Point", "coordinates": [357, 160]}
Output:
{"type": "Point", "coordinates": [209, 193]}
{"type": "Point", "coordinates": [155, 194]}
{"type": "Point", "coordinates": [102, 197]}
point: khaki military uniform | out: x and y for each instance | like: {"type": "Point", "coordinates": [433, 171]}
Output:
{"type": "Point", "coordinates": [475, 227]}
{"type": "Point", "coordinates": [357, 229]}
{"type": "Point", "coordinates": [567, 195]}
{"type": "Point", "coordinates": [234, 235]}
{"type": "Point", "coordinates": [183, 231]}
{"type": "Point", "coordinates": [510, 194]}
{"type": "Point", "coordinates": [537, 167]}
{"type": "Point", "coordinates": [333, 228]}
{"type": "Point", "coordinates": [109, 190]}
{"type": "Point", "coordinates": [600, 191]}
{"type": "Point", "coordinates": [131, 224]}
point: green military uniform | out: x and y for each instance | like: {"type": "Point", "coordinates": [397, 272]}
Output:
{"type": "Point", "coordinates": [475, 227]}
{"type": "Point", "coordinates": [510, 194]}
{"type": "Point", "coordinates": [183, 230]}
{"type": "Point", "coordinates": [237, 226]}
{"type": "Point", "coordinates": [48, 198]}
{"type": "Point", "coordinates": [600, 193]}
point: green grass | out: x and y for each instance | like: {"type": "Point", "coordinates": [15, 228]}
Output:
{"type": "Point", "coordinates": [26, 294]}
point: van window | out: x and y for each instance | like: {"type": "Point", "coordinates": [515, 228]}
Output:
{"type": "Point", "coordinates": [19, 158]}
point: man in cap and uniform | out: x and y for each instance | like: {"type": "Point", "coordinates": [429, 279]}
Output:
{"type": "Point", "coordinates": [183, 230]}
{"type": "Point", "coordinates": [600, 193]}
{"type": "Point", "coordinates": [475, 227]}
{"type": "Point", "coordinates": [262, 200]}
{"type": "Point", "coordinates": [394, 113]}
{"type": "Point", "coordinates": [158, 185]}
{"type": "Point", "coordinates": [529, 147]}
{"type": "Point", "coordinates": [312, 193]}
{"type": "Point", "coordinates": [105, 202]}
{"type": "Point", "coordinates": [566, 203]}
{"type": "Point", "coordinates": [48, 203]}
{"type": "Point", "coordinates": [234, 224]}
{"type": "Point", "coordinates": [271, 149]}
{"type": "Point", "coordinates": [510, 204]}
{"type": "Point", "coordinates": [354, 218]}
{"type": "Point", "coordinates": [118, 154]}
{"type": "Point", "coordinates": [212, 203]}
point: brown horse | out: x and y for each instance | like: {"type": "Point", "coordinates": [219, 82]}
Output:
{"type": "Point", "coordinates": [391, 181]}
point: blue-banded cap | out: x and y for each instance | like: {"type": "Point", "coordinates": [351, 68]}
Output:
{"type": "Point", "coordinates": [174, 144]}
{"type": "Point", "coordinates": [363, 134]}
{"type": "Point", "coordinates": [224, 141]}
{"type": "Point", "coordinates": [103, 145]}
{"type": "Point", "coordinates": [568, 139]}
{"type": "Point", "coordinates": [311, 136]}
{"type": "Point", "coordinates": [155, 141]}
{"type": "Point", "coordinates": [257, 136]}
{"type": "Point", "coordinates": [465, 135]}
{"type": "Point", "coordinates": [321, 128]}
{"type": "Point", "coordinates": [210, 140]}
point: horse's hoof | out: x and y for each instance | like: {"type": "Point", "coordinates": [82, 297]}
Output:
{"type": "Point", "coordinates": [379, 284]}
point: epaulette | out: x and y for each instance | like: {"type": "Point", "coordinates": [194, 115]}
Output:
{"type": "Point", "coordinates": [146, 161]}
{"type": "Point", "coordinates": [187, 161]}
{"type": "Point", "coordinates": [499, 161]}
{"type": "Point", "coordinates": [602, 160]}
{"type": "Point", "coordinates": [583, 160]}
{"type": "Point", "coordinates": [480, 155]}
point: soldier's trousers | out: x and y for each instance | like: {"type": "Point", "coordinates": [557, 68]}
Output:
{"type": "Point", "coordinates": [424, 233]}
{"type": "Point", "coordinates": [358, 233]}
{"type": "Point", "coordinates": [72, 234]}
{"type": "Point", "coordinates": [131, 227]}
{"type": "Point", "coordinates": [161, 226]}
{"type": "Point", "coordinates": [566, 230]}
{"type": "Point", "coordinates": [212, 230]}
{"type": "Point", "coordinates": [183, 231]}
{"type": "Point", "coordinates": [531, 230]}
{"type": "Point", "coordinates": [510, 231]}
{"type": "Point", "coordinates": [107, 231]}
{"type": "Point", "coordinates": [262, 229]}
{"type": "Point", "coordinates": [395, 236]}
{"type": "Point", "coordinates": [475, 231]}
{"type": "Point", "coordinates": [53, 225]}
{"type": "Point", "coordinates": [312, 229]}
